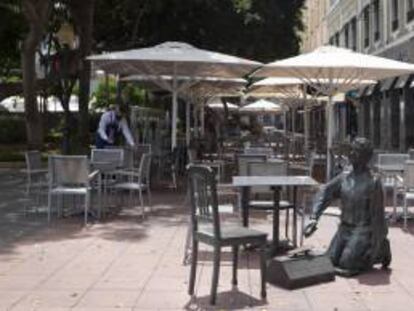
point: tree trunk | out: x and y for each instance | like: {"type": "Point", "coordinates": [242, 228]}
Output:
{"type": "Point", "coordinates": [83, 12]}
{"type": "Point", "coordinates": [35, 12]}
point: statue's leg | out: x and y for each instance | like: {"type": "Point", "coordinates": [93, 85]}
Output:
{"type": "Point", "coordinates": [385, 254]}
{"type": "Point", "coordinates": [354, 256]}
{"type": "Point", "coordinates": [338, 243]}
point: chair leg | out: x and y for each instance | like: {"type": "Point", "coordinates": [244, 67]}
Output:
{"type": "Point", "coordinates": [87, 198]}
{"type": "Point", "coordinates": [405, 213]}
{"type": "Point", "coordinates": [193, 267]}
{"type": "Point", "coordinates": [263, 270]}
{"type": "Point", "coordinates": [302, 227]}
{"type": "Point", "coordinates": [187, 246]}
{"type": "Point", "coordinates": [235, 262]}
{"type": "Point", "coordinates": [141, 201]}
{"type": "Point", "coordinates": [394, 200]}
{"type": "Point", "coordinates": [49, 206]}
{"type": "Point", "coordinates": [216, 271]}
{"type": "Point", "coordinates": [287, 223]}
{"type": "Point", "coordinates": [149, 197]}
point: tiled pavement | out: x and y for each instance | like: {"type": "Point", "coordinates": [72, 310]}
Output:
{"type": "Point", "coordinates": [124, 263]}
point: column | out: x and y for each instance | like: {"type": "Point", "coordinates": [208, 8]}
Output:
{"type": "Point", "coordinates": [402, 123]}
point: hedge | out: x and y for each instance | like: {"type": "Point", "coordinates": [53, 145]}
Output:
{"type": "Point", "coordinates": [12, 129]}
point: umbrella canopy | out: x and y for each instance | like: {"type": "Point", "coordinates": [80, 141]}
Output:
{"type": "Point", "coordinates": [340, 67]}
{"type": "Point", "coordinates": [262, 106]}
{"type": "Point", "coordinates": [293, 87]}
{"type": "Point", "coordinates": [174, 59]}
{"type": "Point", "coordinates": [216, 104]}
{"type": "Point", "coordinates": [331, 63]}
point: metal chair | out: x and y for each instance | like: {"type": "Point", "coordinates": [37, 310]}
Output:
{"type": "Point", "coordinates": [36, 177]}
{"type": "Point", "coordinates": [69, 175]}
{"type": "Point", "coordinates": [408, 187]}
{"type": "Point", "coordinates": [207, 228]}
{"type": "Point", "coordinates": [390, 166]}
{"type": "Point", "coordinates": [107, 161]}
{"type": "Point", "coordinates": [136, 180]}
{"type": "Point", "coordinates": [114, 156]}
{"type": "Point", "coordinates": [244, 159]}
{"type": "Point", "coordinates": [139, 150]}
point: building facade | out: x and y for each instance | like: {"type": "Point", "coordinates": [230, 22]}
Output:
{"type": "Point", "coordinates": [316, 33]}
{"type": "Point", "coordinates": [384, 28]}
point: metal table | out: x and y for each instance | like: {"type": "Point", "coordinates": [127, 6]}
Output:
{"type": "Point", "coordinates": [275, 182]}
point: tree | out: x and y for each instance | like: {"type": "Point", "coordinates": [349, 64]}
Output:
{"type": "Point", "coordinates": [36, 13]}
{"type": "Point", "coordinates": [83, 13]}
{"type": "Point", "coordinates": [259, 29]}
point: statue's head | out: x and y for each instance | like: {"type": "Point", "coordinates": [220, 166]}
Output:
{"type": "Point", "coordinates": [361, 152]}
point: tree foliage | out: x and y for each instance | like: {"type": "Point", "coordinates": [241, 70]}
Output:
{"type": "Point", "coordinates": [12, 30]}
{"type": "Point", "coordinates": [259, 29]}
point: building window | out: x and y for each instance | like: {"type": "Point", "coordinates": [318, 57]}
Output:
{"type": "Point", "coordinates": [394, 15]}
{"type": "Point", "coordinates": [410, 10]}
{"type": "Point", "coordinates": [346, 35]}
{"type": "Point", "coordinates": [376, 20]}
{"type": "Point", "coordinates": [366, 26]}
{"type": "Point", "coordinates": [337, 39]}
{"type": "Point", "coordinates": [354, 35]}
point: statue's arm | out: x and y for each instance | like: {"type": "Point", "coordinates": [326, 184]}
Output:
{"type": "Point", "coordinates": [326, 195]}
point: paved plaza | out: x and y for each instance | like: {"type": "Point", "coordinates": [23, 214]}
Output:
{"type": "Point", "coordinates": [124, 263]}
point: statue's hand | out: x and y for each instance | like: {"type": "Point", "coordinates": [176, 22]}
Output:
{"type": "Point", "coordinates": [310, 228]}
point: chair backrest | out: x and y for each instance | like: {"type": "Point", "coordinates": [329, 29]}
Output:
{"type": "Point", "coordinates": [139, 150]}
{"type": "Point", "coordinates": [411, 154]}
{"type": "Point", "coordinates": [68, 170]}
{"type": "Point", "coordinates": [269, 168]}
{"type": "Point", "coordinates": [244, 159]}
{"type": "Point", "coordinates": [203, 194]}
{"type": "Point", "coordinates": [259, 151]}
{"type": "Point", "coordinates": [397, 160]}
{"type": "Point", "coordinates": [128, 159]}
{"type": "Point", "coordinates": [409, 174]}
{"type": "Point", "coordinates": [33, 160]}
{"type": "Point", "coordinates": [115, 156]}
{"type": "Point", "coordinates": [145, 168]}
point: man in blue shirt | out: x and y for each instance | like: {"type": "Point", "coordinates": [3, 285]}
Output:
{"type": "Point", "coordinates": [111, 124]}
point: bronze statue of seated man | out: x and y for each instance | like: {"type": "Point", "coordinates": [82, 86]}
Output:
{"type": "Point", "coordinates": [361, 239]}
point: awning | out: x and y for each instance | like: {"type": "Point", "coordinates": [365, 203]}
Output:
{"type": "Point", "coordinates": [361, 92]}
{"type": "Point", "coordinates": [387, 84]}
{"type": "Point", "coordinates": [402, 81]}
{"type": "Point", "coordinates": [370, 90]}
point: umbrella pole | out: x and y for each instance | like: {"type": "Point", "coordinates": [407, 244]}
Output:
{"type": "Point", "coordinates": [306, 123]}
{"type": "Point", "coordinates": [187, 123]}
{"type": "Point", "coordinates": [174, 115]}
{"type": "Point", "coordinates": [202, 120]}
{"type": "Point", "coordinates": [329, 123]}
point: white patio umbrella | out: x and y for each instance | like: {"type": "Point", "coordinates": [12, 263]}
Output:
{"type": "Point", "coordinates": [337, 66]}
{"type": "Point", "coordinates": [174, 59]}
{"type": "Point", "coordinates": [262, 106]}
{"type": "Point", "coordinates": [292, 90]}
{"type": "Point", "coordinates": [197, 88]}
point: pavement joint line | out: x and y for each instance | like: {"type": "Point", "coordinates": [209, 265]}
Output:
{"type": "Point", "coordinates": [157, 266]}
{"type": "Point", "coordinates": [53, 273]}
{"type": "Point", "coordinates": [308, 301]}
{"type": "Point", "coordinates": [116, 258]}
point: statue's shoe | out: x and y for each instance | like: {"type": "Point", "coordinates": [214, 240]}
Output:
{"type": "Point", "coordinates": [345, 272]}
